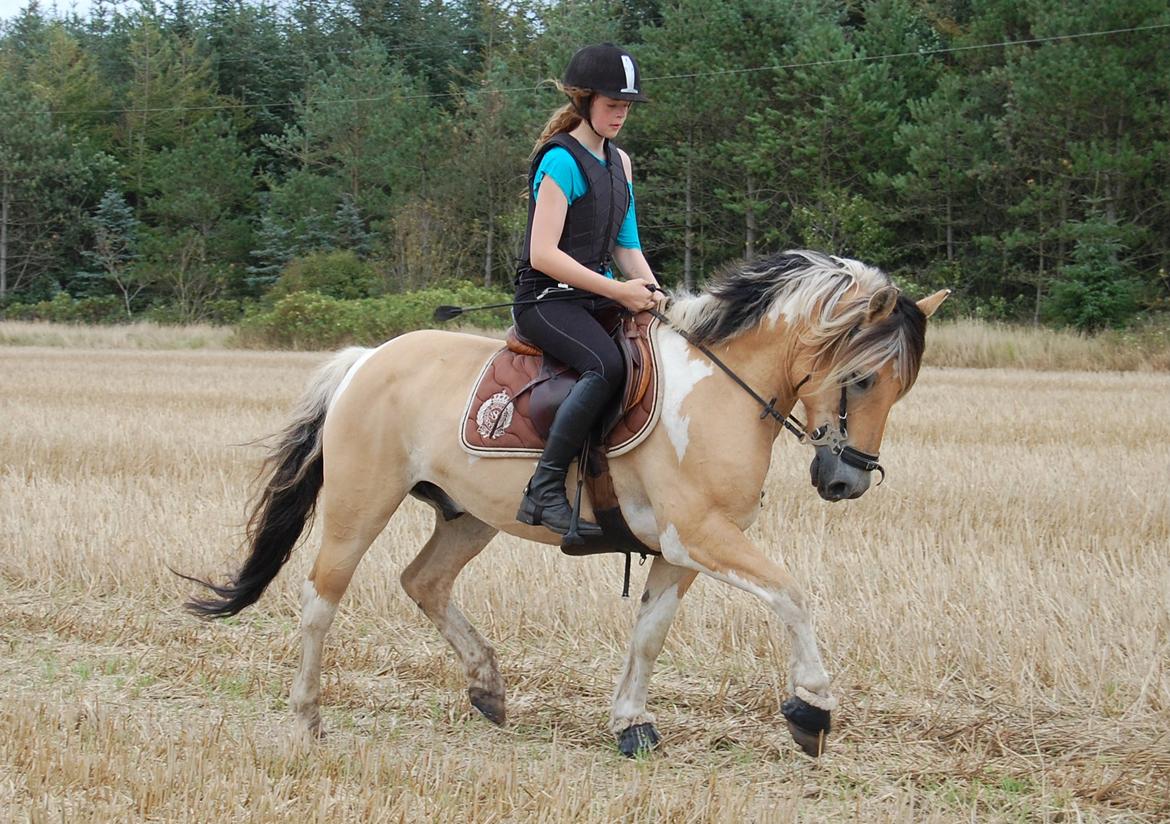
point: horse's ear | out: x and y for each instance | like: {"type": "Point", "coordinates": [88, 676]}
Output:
{"type": "Point", "coordinates": [881, 304]}
{"type": "Point", "coordinates": [929, 305]}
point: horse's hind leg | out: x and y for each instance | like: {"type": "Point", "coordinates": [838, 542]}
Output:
{"type": "Point", "coordinates": [428, 580]}
{"type": "Point", "coordinates": [349, 526]}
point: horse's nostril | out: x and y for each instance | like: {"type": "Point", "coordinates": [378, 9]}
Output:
{"type": "Point", "coordinates": [838, 490]}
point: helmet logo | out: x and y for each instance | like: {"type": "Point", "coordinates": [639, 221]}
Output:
{"type": "Point", "coordinates": [628, 65]}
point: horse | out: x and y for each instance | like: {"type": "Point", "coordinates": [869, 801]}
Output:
{"type": "Point", "coordinates": [376, 425]}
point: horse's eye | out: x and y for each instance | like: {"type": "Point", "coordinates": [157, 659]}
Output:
{"type": "Point", "coordinates": [862, 383]}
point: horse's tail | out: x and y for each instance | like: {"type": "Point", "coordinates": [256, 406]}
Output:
{"type": "Point", "coordinates": [286, 497]}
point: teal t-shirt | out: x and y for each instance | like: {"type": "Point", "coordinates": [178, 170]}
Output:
{"type": "Point", "coordinates": [558, 164]}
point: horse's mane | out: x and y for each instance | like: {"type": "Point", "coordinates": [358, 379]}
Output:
{"type": "Point", "coordinates": [809, 286]}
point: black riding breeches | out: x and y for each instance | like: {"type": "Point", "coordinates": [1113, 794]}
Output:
{"type": "Point", "coordinates": [570, 331]}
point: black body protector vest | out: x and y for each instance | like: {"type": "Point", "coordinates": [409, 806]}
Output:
{"type": "Point", "coordinates": [592, 221]}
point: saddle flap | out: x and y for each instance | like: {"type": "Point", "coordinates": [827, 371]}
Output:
{"type": "Point", "coordinates": [553, 385]}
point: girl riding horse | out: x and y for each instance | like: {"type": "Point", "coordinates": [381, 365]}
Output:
{"type": "Point", "coordinates": [580, 216]}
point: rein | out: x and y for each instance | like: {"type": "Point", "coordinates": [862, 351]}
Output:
{"type": "Point", "coordinates": [821, 436]}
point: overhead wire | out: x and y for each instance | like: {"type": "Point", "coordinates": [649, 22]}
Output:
{"type": "Point", "coordinates": [665, 77]}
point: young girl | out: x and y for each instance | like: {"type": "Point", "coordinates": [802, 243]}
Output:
{"type": "Point", "coordinates": [580, 218]}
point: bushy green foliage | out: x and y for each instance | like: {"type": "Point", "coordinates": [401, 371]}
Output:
{"type": "Point", "coordinates": [337, 274]}
{"type": "Point", "coordinates": [241, 140]}
{"type": "Point", "coordinates": [309, 320]}
{"type": "Point", "coordinates": [63, 308]}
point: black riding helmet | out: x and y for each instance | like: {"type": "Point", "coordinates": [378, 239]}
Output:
{"type": "Point", "coordinates": [606, 69]}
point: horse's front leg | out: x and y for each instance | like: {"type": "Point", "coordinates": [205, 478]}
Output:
{"type": "Point", "coordinates": [720, 549]}
{"type": "Point", "coordinates": [630, 722]}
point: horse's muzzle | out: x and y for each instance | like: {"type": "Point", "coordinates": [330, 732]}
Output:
{"type": "Point", "coordinates": [834, 479]}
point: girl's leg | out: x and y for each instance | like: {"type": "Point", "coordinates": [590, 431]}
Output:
{"type": "Point", "coordinates": [567, 331]}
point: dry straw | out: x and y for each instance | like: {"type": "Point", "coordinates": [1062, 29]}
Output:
{"type": "Point", "coordinates": [996, 617]}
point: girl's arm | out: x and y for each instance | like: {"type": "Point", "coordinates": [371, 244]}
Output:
{"type": "Point", "coordinates": [633, 264]}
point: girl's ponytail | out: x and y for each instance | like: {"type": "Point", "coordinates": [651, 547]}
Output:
{"type": "Point", "coordinates": [566, 118]}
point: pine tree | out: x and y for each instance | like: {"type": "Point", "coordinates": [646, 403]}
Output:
{"type": "Point", "coordinates": [275, 249]}
{"type": "Point", "coordinates": [1095, 291]}
{"type": "Point", "coordinates": [349, 230]}
{"type": "Point", "coordinates": [47, 182]}
{"type": "Point", "coordinates": [115, 247]}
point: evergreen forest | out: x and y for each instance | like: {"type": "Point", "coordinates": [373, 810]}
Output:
{"type": "Point", "coordinates": [203, 159]}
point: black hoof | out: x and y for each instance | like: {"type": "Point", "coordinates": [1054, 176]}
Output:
{"type": "Point", "coordinates": [809, 725]}
{"type": "Point", "coordinates": [490, 704]}
{"type": "Point", "coordinates": [638, 740]}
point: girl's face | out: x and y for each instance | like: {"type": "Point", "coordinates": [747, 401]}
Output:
{"type": "Point", "coordinates": [608, 115]}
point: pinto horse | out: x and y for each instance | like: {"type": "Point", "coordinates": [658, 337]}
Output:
{"type": "Point", "coordinates": [376, 425]}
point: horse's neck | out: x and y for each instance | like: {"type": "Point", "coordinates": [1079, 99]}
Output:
{"type": "Point", "coordinates": [764, 359]}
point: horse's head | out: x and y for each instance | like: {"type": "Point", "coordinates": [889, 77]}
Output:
{"type": "Point", "coordinates": [849, 346]}
{"type": "Point", "coordinates": [855, 374]}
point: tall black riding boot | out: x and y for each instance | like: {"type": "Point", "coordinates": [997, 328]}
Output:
{"type": "Point", "coordinates": [544, 498]}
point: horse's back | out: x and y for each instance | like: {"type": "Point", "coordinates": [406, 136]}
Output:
{"type": "Point", "coordinates": [412, 382]}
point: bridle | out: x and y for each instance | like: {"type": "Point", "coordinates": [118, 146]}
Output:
{"type": "Point", "coordinates": [823, 435]}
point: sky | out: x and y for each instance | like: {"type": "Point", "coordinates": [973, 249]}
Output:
{"type": "Point", "coordinates": [10, 8]}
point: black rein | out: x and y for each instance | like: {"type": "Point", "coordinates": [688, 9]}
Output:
{"type": "Point", "coordinates": [822, 436]}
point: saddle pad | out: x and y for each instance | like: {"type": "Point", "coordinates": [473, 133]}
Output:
{"type": "Point", "coordinates": [496, 422]}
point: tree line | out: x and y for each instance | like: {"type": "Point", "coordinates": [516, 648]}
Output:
{"type": "Point", "coordinates": [189, 155]}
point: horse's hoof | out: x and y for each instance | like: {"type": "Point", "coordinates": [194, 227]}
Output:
{"type": "Point", "coordinates": [639, 739]}
{"type": "Point", "coordinates": [488, 703]}
{"type": "Point", "coordinates": [808, 724]}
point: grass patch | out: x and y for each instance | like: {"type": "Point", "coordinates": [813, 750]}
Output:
{"type": "Point", "coordinates": [961, 343]}
{"type": "Point", "coordinates": [985, 345]}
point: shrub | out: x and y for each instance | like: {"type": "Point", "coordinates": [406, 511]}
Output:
{"type": "Point", "coordinates": [307, 320]}
{"type": "Point", "coordinates": [336, 274]}
{"type": "Point", "coordinates": [63, 308]}
{"type": "Point", "coordinates": [1095, 291]}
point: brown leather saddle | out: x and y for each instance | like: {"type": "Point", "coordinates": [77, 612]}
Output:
{"type": "Point", "coordinates": [517, 394]}
{"type": "Point", "coordinates": [515, 398]}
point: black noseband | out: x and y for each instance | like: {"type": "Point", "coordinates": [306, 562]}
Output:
{"type": "Point", "coordinates": [835, 441]}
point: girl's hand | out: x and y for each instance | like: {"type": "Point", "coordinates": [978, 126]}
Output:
{"type": "Point", "coordinates": [635, 296]}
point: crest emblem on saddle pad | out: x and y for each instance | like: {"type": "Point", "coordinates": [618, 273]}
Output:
{"type": "Point", "coordinates": [494, 416]}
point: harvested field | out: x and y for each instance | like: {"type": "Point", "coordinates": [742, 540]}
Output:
{"type": "Point", "coordinates": [996, 617]}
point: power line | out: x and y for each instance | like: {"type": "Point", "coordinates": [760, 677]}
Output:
{"type": "Point", "coordinates": [919, 53]}
{"type": "Point", "coordinates": [667, 77]}
{"type": "Point", "coordinates": [405, 46]}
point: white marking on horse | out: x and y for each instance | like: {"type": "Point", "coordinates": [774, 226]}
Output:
{"type": "Point", "coordinates": [341, 387]}
{"type": "Point", "coordinates": [672, 549]}
{"type": "Point", "coordinates": [808, 671]}
{"type": "Point", "coordinates": [680, 374]}
{"type": "Point", "coordinates": [316, 617]}
{"type": "Point", "coordinates": [640, 517]}
{"type": "Point", "coordinates": [629, 701]}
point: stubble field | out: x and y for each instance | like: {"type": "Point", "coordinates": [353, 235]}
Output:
{"type": "Point", "coordinates": [996, 618]}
